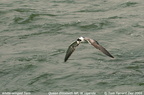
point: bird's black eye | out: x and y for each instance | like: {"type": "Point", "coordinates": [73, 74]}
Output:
{"type": "Point", "coordinates": [78, 39]}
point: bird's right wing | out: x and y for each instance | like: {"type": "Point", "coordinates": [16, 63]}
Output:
{"type": "Point", "coordinates": [98, 46]}
{"type": "Point", "coordinates": [70, 50]}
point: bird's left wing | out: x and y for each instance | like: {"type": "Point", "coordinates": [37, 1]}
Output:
{"type": "Point", "coordinates": [70, 50]}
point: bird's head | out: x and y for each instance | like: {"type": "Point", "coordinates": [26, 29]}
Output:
{"type": "Point", "coordinates": [80, 39]}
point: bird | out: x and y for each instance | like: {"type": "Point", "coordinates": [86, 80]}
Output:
{"type": "Point", "coordinates": [81, 39]}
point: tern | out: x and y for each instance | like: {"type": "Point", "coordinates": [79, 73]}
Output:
{"type": "Point", "coordinates": [94, 43]}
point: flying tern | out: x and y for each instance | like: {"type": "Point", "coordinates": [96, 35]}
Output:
{"type": "Point", "coordinates": [94, 43]}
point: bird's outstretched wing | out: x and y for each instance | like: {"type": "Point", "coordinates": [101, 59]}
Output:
{"type": "Point", "coordinates": [70, 50]}
{"type": "Point", "coordinates": [98, 46]}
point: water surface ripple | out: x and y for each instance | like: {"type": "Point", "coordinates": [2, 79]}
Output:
{"type": "Point", "coordinates": [35, 34]}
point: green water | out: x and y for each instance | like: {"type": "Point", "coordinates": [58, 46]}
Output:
{"type": "Point", "coordinates": [35, 34]}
